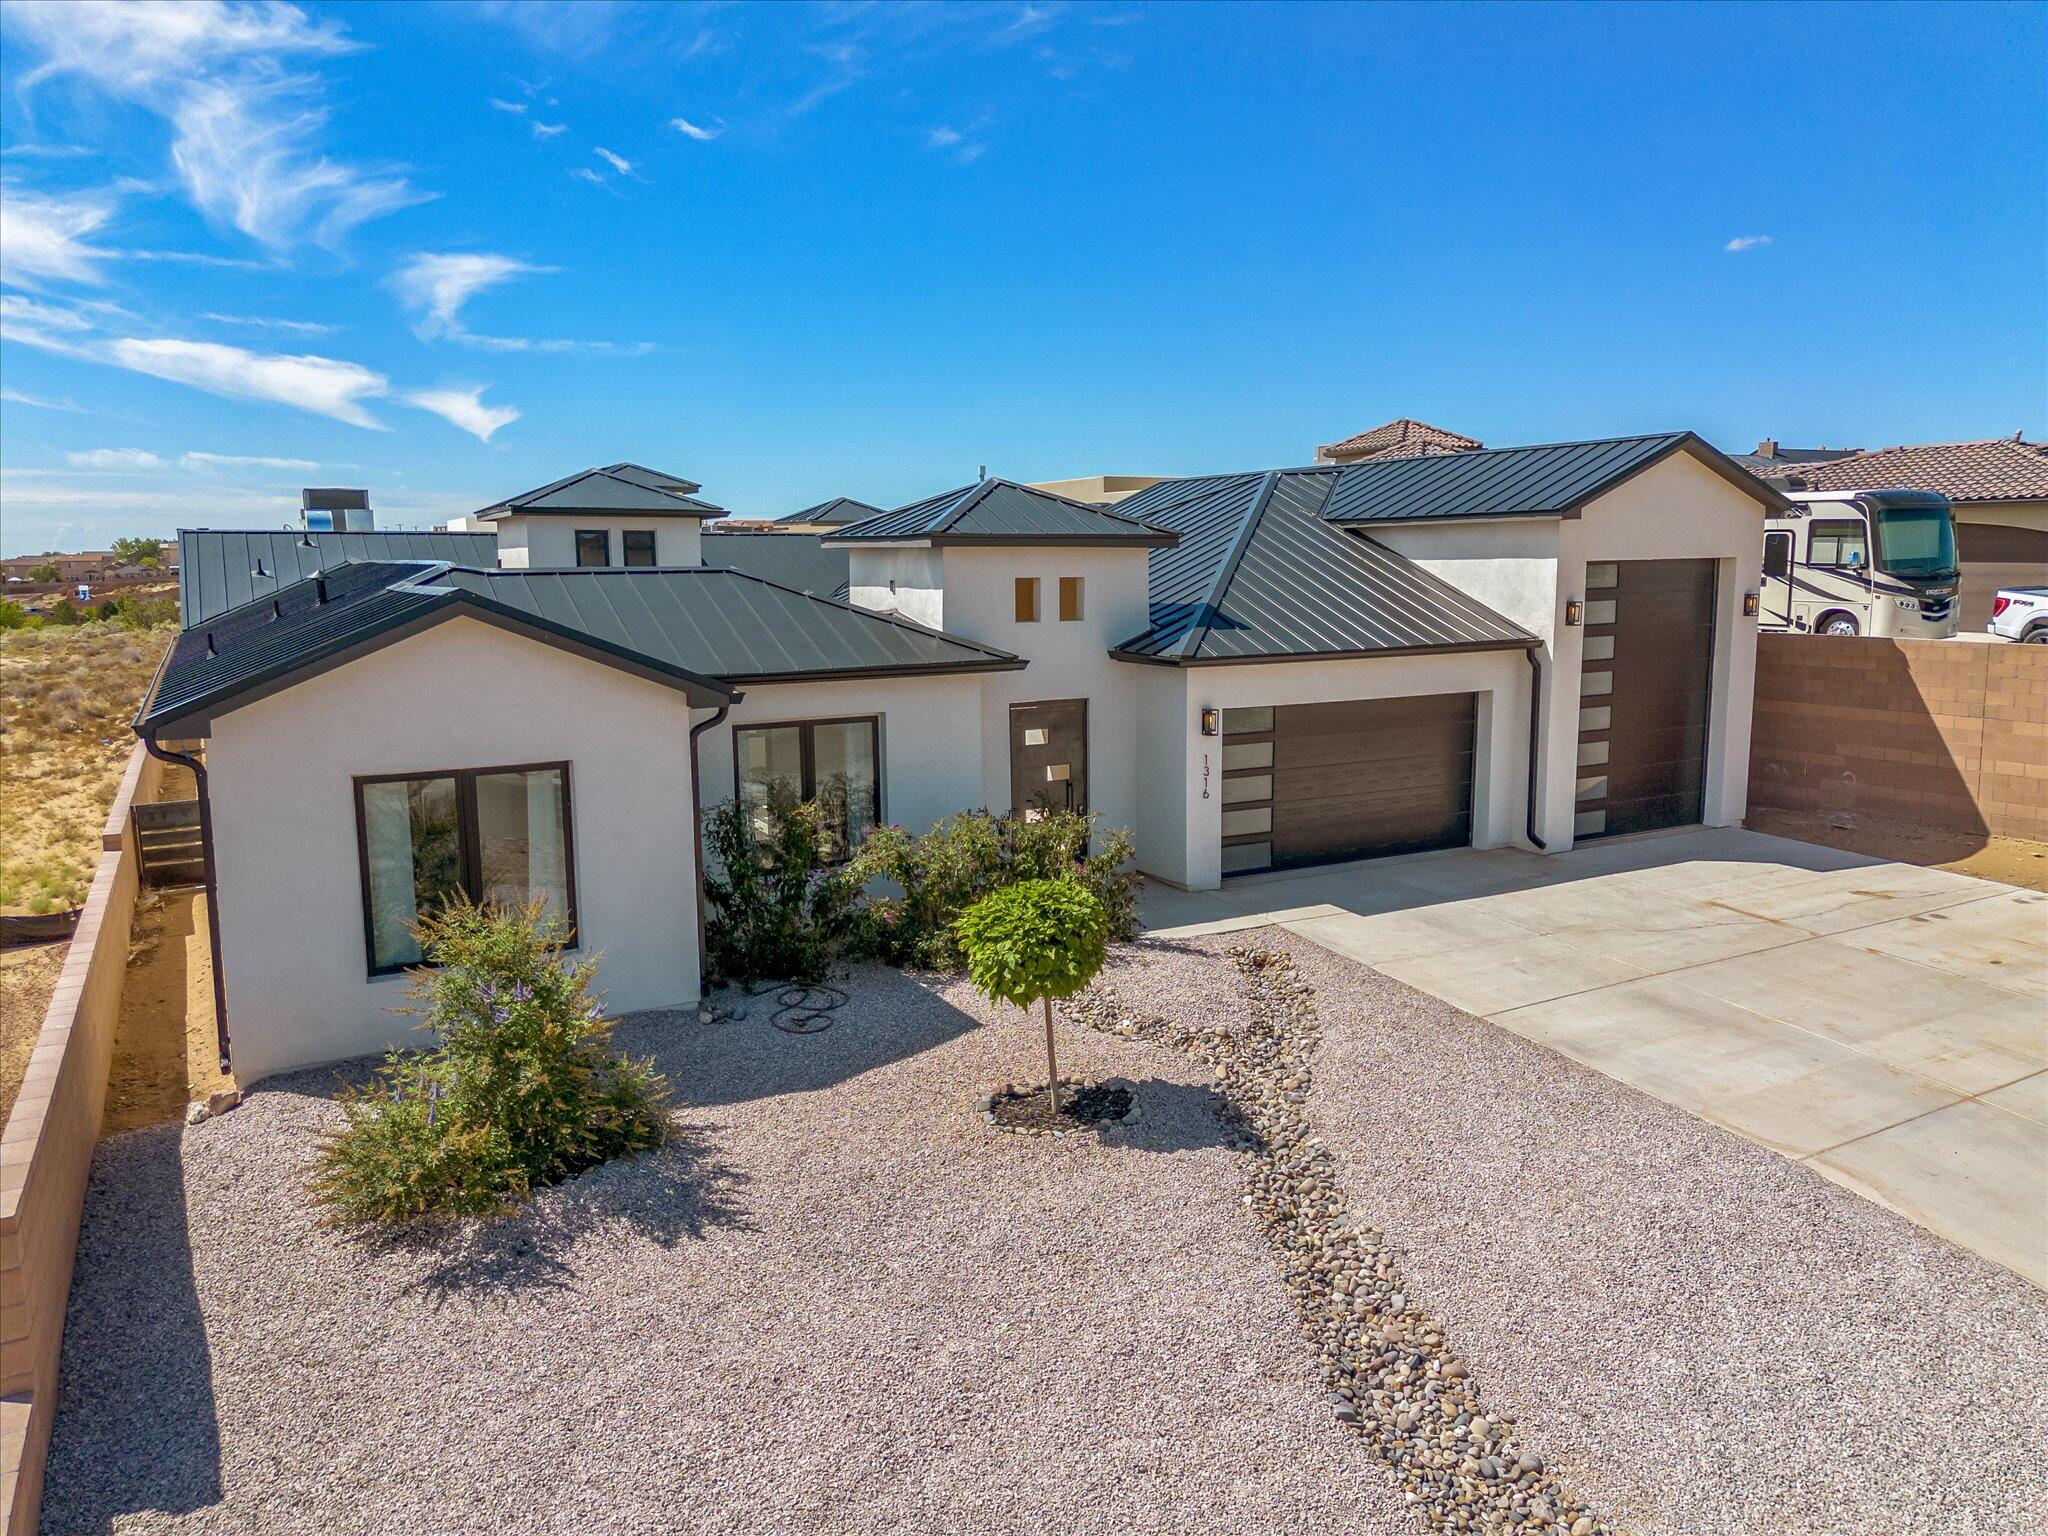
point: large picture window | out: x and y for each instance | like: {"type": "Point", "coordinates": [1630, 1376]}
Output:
{"type": "Point", "coordinates": [836, 762]}
{"type": "Point", "coordinates": [496, 835]}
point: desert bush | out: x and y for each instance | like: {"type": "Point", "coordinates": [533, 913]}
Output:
{"type": "Point", "coordinates": [776, 907]}
{"type": "Point", "coordinates": [14, 616]}
{"type": "Point", "coordinates": [523, 1091]}
{"type": "Point", "coordinates": [1032, 942]}
{"type": "Point", "coordinates": [965, 857]}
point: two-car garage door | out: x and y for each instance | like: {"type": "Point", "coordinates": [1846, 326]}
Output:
{"type": "Point", "coordinates": [1312, 783]}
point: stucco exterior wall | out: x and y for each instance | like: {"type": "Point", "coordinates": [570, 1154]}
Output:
{"type": "Point", "coordinates": [897, 579]}
{"type": "Point", "coordinates": [549, 543]}
{"type": "Point", "coordinates": [294, 953]}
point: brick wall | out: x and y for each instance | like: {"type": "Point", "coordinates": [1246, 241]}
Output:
{"type": "Point", "coordinates": [1940, 732]}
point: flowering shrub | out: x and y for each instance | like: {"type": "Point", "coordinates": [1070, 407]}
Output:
{"type": "Point", "coordinates": [524, 1090]}
{"type": "Point", "coordinates": [775, 908]}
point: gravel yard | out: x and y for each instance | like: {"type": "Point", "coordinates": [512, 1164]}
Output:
{"type": "Point", "coordinates": [843, 1303]}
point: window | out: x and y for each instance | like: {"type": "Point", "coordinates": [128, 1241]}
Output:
{"type": "Point", "coordinates": [639, 546]}
{"type": "Point", "coordinates": [1778, 556]}
{"type": "Point", "coordinates": [1070, 599]}
{"type": "Point", "coordinates": [1027, 599]}
{"type": "Point", "coordinates": [1838, 541]}
{"type": "Point", "coordinates": [496, 835]}
{"type": "Point", "coordinates": [593, 547]}
{"type": "Point", "coordinates": [835, 762]}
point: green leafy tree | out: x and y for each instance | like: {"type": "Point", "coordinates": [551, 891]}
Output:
{"type": "Point", "coordinates": [137, 551]}
{"type": "Point", "coordinates": [1032, 942]}
{"type": "Point", "coordinates": [523, 1091]}
{"type": "Point", "coordinates": [48, 571]}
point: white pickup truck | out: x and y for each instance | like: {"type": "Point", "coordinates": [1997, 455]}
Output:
{"type": "Point", "coordinates": [2021, 613]}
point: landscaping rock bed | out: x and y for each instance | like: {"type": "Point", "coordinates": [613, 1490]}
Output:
{"type": "Point", "coordinates": [1083, 1107]}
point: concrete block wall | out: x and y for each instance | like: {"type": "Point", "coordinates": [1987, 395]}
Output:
{"type": "Point", "coordinates": [1936, 732]}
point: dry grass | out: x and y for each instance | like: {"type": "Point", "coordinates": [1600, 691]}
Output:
{"type": "Point", "coordinates": [67, 695]}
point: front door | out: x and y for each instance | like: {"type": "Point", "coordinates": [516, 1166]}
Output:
{"type": "Point", "coordinates": [1775, 605]}
{"type": "Point", "coordinates": [1049, 757]}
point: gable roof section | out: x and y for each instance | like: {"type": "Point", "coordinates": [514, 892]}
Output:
{"type": "Point", "coordinates": [1547, 480]}
{"type": "Point", "coordinates": [1998, 469]}
{"type": "Point", "coordinates": [218, 570]}
{"type": "Point", "coordinates": [836, 512]}
{"type": "Point", "coordinates": [1401, 438]}
{"type": "Point", "coordinates": [617, 489]}
{"type": "Point", "coordinates": [1259, 575]}
{"type": "Point", "coordinates": [1001, 512]}
{"type": "Point", "coordinates": [795, 560]}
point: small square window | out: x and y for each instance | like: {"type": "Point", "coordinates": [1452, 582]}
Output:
{"type": "Point", "coordinates": [639, 546]}
{"type": "Point", "coordinates": [593, 547]}
{"type": "Point", "coordinates": [1027, 599]}
{"type": "Point", "coordinates": [1070, 599]}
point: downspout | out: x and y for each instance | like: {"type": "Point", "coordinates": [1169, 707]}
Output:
{"type": "Point", "coordinates": [220, 982]}
{"type": "Point", "coordinates": [1535, 739]}
{"type": "Point", "coordinates": [697, 824]}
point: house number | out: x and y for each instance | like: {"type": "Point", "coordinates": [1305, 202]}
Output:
{"type": "Point", "coordinates": [1205, 775]}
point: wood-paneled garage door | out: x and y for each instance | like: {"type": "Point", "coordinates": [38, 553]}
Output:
{"type": "Point", "coordinates": [1313, 783]}
{"type": "Point", "coordinates": [1645, 681]}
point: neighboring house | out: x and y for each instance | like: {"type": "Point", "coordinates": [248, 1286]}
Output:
{"type": "Point", "coordinates": [826, 515]}
{"type": "Point", "coordinates": [621, 515]}
{"type": "Point", "coordinates": [90, 565]}
{"type": "Point", "coordinates": [1512, 647]}
{"type": "Point", "coordinates": [1772, 459]}
{"type": "Point", "coordinates": [1404, 438]}
{"type": "Point", "coordinates": [1098, 490]}
{"type": "Point", "coordinates": [1998, 488]}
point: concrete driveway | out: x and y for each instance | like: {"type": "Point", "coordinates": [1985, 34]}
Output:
{"type": "Point", "coordinates": [1886, 1024]}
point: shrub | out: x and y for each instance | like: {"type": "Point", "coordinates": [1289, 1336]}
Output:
{"type": "Point", "coordinates": [524, 1090]}
{"type": "Point", "coordinates": [14, 616]}
{"type": "Point", "coordinates": [965, 857]}
{"type": "Point", "coordinates": [776, 909]}
{"type": "Point", "coordinates": [1032, 942]}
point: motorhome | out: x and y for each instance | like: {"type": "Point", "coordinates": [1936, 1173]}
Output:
{"type": "Point", "coordinates": [1861, 563]}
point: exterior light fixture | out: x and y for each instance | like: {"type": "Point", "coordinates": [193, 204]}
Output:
{"type": "Point", "coordinates": [1574, 613]}
{"type": "Point", "coordinates": [1749, 605]}
{"type": "Point", "coordinates": [1212, 722]}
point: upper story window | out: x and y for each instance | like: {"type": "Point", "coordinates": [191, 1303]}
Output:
{"type": "Point", "coordinates": [639, 546]}
{"type": "Point", "coordinates": [1838, 541]}
{"type": "Point", "coordinates": [835, 762]}
{"type": "Point", "coordinates": [593, 547]}
{"type": "Point", "coordinates": [1027, 599]}
{"type": "Point", "coordinates": [1070, 599]}
{"type": "Point", "coordinates": [496, 835]}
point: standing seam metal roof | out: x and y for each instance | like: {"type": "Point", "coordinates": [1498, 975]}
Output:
{"type": "Point", "coordinates": [620, 488]}
{"type": "Point", "coordinates": [217, 569]}
{"type": "Point", "coordinates": [1001, 511]}
{"type": "Point", "coordinates": [788, 559]}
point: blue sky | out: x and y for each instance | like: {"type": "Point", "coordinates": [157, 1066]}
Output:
{"type": "Point", "coordinates": [449, 251]}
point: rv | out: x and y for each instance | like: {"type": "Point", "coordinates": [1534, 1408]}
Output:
{"type": "Point", "coordinates": [1861, 563]}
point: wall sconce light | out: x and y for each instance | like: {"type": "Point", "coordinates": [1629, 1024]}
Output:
{"type": "Point", "coordinates": [1749, 605]}
{"type": "Point", "coordinates": [1574, 613]}
{"type": "Point", "coordinates": [1212, 722]}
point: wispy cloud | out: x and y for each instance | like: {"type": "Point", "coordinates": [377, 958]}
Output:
{"type": "Point", "coordinates": [324, 386]}
{"type": "Point", "coordinates": [1029, 21]}
{"type": "Point", "coordinates": [849, 63]}
{"type": "Point", "coordinates": [1746, 242]}
{"type": "Point", "coordinates": [208, 461]}
{"type": "Point", "coordinates": [696, 131]}
{"type": "Point", "coordinates": [130, 459]}
{"type": "Point", "coordinates": [47, 151]}
{"type": "Point", "coordinates": [543, 130]}
{"type": "Point", "coordinates": [585, 173]}
{"type": "Point", "coordinates": [465, 408]}
{"type": "Point", "coordinates": [53, 327]}
{"type": "Point", "coordinates": [44, 237]}
{"type": "Point", "coordinates": [955, 144]}
{"type": "Point", "coordinates": [618, 163]}
{"type": "Point", "coordinates": [262, 323]}
{"type": "Point", "coordinates": [245, 130]}
{"type": "Point", "coordinates": [16, 397]}
{"type": "Point", "coordinates": [435, 286]}
{"type": "Point", "coordinates": [509, 106]}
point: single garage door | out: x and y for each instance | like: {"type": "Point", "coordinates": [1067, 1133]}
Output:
{"type": "Point", "coordinates": [1645, 682]}
{"type": "Point", "coordinates": [1313, 783]}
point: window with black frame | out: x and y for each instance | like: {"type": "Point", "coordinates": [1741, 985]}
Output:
{"type": "Point", "coordinates": [835, 762]}
{"type": "Point", "coordinates": [638, 546]}
{"type": "Point", "coordinates": [500, 836]}
{"type": "Point", "coordinates": [593, 547]}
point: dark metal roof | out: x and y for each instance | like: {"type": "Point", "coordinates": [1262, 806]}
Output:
{"type": "Point", "coordinates": [1001, 512]}
{"type": "Point", "coordinates": [1260, 576]}
{"type": "Point", "coordinates": [699, 628]}
{"type": "Point", "coordinates": [788, 559]}
{"type": "Point", "coordinates": [1551, 479]}
{"type": "Point", "coordinates": [219, 570]}
{"type": "Point", "coordinates": [618, 489]}
{"type": "Point", "coordinates": [836, 512]}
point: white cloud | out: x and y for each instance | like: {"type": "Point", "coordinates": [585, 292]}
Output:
{"type": "Point", "coordinates": [16, 397]}
{"type": "Point", "coordinates": [618, 163]}
{"type": "Point", "coordinates": [436, 286]}
{"type": "Point", "coordinates": [47, 151]}
{"type": "Point", "coordinates": [1746, 242]}
{"type": "Point", "coordinates": [969, 153]}
{"type": "Point", "coordinates": [259, 322]}
{"type": "Point", "coordinates": [115, 458]}
{"type": "Point", "coordinates": [43, 237]}
{"type": "Point", "coordinates": [18, 311]}
{"type": "Point", "coordinates": [465, 408]}
{"type": "Point", "coordinates": [197, 460]}
{"type": "Point", "coordinates": [543, 130]}
{"type": "Point", "coordinates": [585, 173]}
{"type": "Point", "coordinates": [245, 131]}
{"type": "Point", "coordinates": [696, 131]}
{"type": "Point", "coordinates": [941, 138]}
{"type": "Point", "coordinates": [502, 105]}
{"type": "Point", "coordinates": [325, 386]}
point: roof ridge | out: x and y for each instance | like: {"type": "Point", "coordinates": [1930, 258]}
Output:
{"type": "Point", "coordinates": [977, 493]}
{"type": "Point", "coordinates": [850, 607]}
{"type": "Point", "coordinates": [1191, 642]}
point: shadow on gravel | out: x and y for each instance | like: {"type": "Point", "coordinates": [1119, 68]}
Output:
{"type": "Point", "coordinates": [137, 1432]}
{"type": "Point", "coordinates": [1182, 1117]}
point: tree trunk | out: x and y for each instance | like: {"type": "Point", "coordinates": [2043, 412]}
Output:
{"type": "Point", "coordinates": [1052, 1060]}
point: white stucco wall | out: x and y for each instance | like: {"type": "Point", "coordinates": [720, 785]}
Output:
{"type": "Point", "coordinates": [898, 579]}
{"type": "Point", "coordinates": [281, 775]}
{"type": "Point", "coordinates": [549, 543]}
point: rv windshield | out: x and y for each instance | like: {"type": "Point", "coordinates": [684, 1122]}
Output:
{"type": "Point", "coordinates": [1916, 541]}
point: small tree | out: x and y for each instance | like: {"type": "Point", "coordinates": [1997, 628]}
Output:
{"type": "Point", "coordinates": [1032, 942]}
{"type": "Point", "coordinates": [778, 908]}
{"type": "Point", "coordinates": [138, 550]}
{"type": "Point", "coordinates": [48, 571]}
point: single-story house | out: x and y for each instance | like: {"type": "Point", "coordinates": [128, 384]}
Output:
{"type": "Point", "coordinates": [1508, 647]}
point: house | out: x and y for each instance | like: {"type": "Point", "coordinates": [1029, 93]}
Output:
{"type": "Point", "coordinates": [1505, 647]}
{"type": "Point", "coordinates": [836, 512]}
{"type": "Point", "coordinates": [1403, 438]}
{"type": "Point", "coordinates": [1997, 488]}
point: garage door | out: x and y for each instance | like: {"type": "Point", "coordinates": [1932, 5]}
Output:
{"type": "Point", "coordinates": [1644, 685]}
{"type": "Point", "coordinates": [1994, 556]}
{"type": "Point", "coordinates": [1312, 783]}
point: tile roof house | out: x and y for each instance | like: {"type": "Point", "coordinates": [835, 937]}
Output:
{"type": "Point", "coordinates": [1258, 670]}
{"type": "Point", "coordinates": [1399, 439]}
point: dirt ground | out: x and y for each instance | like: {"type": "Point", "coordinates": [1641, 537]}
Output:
{"type": "Point", "coordinates": [2009, 860]}
{"type": "Point", "coordinates": [27, 978]}
{"type": "Point", "coordinates": [165, 1054]}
